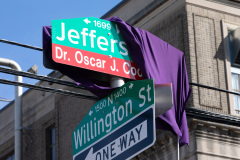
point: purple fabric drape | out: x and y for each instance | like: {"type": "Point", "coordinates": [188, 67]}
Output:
{"type": "Point", "coordinates": [157, 60]}
{"type": "Point", "coordinates": [165, 64]}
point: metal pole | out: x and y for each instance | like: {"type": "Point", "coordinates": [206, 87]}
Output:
{"type": "Point", "coordinates": [116, 81]}
{"type": "Point", "coordinates": [178, 151]}
{"type": "Point", "coordinates": [17, 109]}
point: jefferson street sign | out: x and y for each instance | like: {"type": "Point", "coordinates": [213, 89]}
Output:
{"type": "Point", "coordinates": [93, 44]}
{"type": "Point", "coordinates": [119, 126]}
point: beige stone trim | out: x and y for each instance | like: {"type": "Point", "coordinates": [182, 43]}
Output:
{"type": "Point", "coordinates": [213, 5]}
{"type": "Point", "coordinates": [171, 6]}
{"type": "Point", "coordinates": [213, 128]}
{"type": "Point", "coordinates": [215, 155]}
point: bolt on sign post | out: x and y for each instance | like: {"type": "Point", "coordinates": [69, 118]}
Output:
{"type": "Point", "coordinates": [92, 44]}
{"type": "Point", "coordinates": [119, 126]}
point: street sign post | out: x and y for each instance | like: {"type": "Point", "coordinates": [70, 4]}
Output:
{"type": "Point", "coordinates": [119, 126]}
{"type": "Point", "coordinates": [93, 44]}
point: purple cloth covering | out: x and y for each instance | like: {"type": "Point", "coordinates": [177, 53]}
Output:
{"type": "Point", "coordinates": [157, 60]}
{"type": "Point", "coordinates": [165, 64]}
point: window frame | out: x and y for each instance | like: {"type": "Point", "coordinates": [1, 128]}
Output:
{"type": "Point", "coordinates": [49, 144]}
{"type": "Point", "coordinates": [226, 26]}
{"type": "Point", "coordinates": [12, 156]}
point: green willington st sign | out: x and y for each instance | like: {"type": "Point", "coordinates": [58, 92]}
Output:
{"type": "Point", "coordinates": [119, 126]}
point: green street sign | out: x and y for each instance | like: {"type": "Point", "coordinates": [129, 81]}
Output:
{"type": "Point", "coordinates": [93, 44]}
{"type": "Point", "coordinates": [120, 125]}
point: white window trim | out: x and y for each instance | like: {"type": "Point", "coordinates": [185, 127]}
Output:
{"type": "Point", "coordinates": [226, 26]}
{"type": "Point", "coordinates": [235, 70]}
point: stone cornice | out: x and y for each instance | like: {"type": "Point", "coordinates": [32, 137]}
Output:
{"type": "Point", "coordinates": [213, 117]}
{"type": "Point", "coordinates": [218, 131]}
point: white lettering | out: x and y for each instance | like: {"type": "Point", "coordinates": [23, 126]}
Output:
{"type": "Point", "coordinates": [148, 91]}
{"type": "Point", "coordinates": [110, 100]}
{"type": "Point", "coordinates": [114, 117]}
{"type": "Point", "coordinates": [63, 32]}
{"type": "Point", "coordinates": [113, 68]}
{"type": "Point", "coordinates": [133, 71]}
{"type": "Point", "coordinates": [70, 36]}
{"type": "Point", "coordinates": [142, 97]}
{"type": "Point", "coordinates": [120, 117]}
{"type": "Point", "coordinates": [130, 107]}
{"type": "Point", "coordinates": [108, 122]}
{"type": "Point", "coordinates": [91, 61]}
{"type": "Point", "coordinates": [112, 44]}
{"type": "Point", "coordinates": [81, 57]}
{"type": "Point", "coordinates": [60, 51]}
{"type": "Point", "coordinates": [124, 67]}
{"type": "Point", "coordinates": [100, 43]}
{"type": "Point", "coordinates": [98, 64]}
{"type": "Point", "coordinates": [78, 138]}
{"type": "Point", "coordinates": [92, 37]}
{"type": "Point", "coordinates": [139, 72]}
{"type": "Point", "coordinates": [84, 34]}
{"type": "Point", "coordinates": [86, 60]}
{"type": "Point", "coordinates": [125, 53]}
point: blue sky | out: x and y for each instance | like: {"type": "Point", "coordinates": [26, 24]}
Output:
{"type": "Point", "coordinates": [22, 21]}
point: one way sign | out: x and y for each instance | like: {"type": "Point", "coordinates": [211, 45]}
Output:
{"type": "Point", "coordinates": [121, 129]}
{"type": "Point", "coordinates": [124, 143]}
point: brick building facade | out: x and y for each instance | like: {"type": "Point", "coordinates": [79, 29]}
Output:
{"type": "Point", "coordinates": [199, 28]}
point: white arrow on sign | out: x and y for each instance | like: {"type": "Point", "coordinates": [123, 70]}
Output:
{"type": "Point", "coordinates": [131, 85]}
{"type": "Point", "coordinates": [121, 144]}
{"type": "Point", "coordinates": [90, 113]}
{"type": "Point", "coordinates": [86, 21]}
{"type": "Point", "coordinates": [90, 154]}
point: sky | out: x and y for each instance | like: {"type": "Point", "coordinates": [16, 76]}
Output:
{"type": "Point", "coordinates": [22, 22]}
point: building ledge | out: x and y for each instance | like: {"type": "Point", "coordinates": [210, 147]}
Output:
{"type": "Point", "coordinates": [213, 116]}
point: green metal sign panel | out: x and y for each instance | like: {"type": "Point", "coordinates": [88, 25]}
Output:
{"type": "Point", "coordinates": [111, 114]}
{"type": "Point", "coordinates": [93, 44]}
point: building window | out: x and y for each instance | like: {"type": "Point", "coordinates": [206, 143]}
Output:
{"type": "Point", "coordinates": [232, 64]}
{"type": "Point", "coordinates": [235, 65]}
{"type": "Point", "coordinates": [51, 143]}
{"type": "Point", "coordinates": [236, 88]}
{"type": "Point", "coordinates": [10, 157]}
{"type": "Point", "coordinates": [234, 46]}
